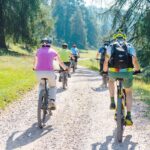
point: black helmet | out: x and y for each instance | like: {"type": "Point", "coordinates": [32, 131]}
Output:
{"type": "Point", "coordinates": [74, 45]}
{"type": "Point", "coordinates": [46, 42]}
{"type": "Point", "coordinates": [106, 43]}
{"type": "Point", "coordinates": [64, 45]}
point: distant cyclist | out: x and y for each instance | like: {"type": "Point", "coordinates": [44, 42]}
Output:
{"type": "Point", "coordinates": [75, 52]}
{"type": "Point", "coordinates": [102, 52]}
{"type": "Point", "coordinates": [122, 60]}
{"type": "Point", "coordinates": [65, 56]}
{"type": "Point", "coordinates": [43, 65]}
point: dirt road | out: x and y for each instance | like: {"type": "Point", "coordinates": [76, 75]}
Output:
{"type": "Point", "coordinates": [82, 121]}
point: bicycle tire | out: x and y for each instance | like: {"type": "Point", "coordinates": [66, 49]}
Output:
{"type": "Point", "coordinates": [64, 80]}
{"type": "Point", "coordinates": [119, 120]}
{"type": "Point", "coordinates": [41, 112]}
{"type": "Point", "coordinates": [73, 68]}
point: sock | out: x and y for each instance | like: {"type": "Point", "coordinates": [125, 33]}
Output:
{"type": "Point", "coordinates": [112, 100]}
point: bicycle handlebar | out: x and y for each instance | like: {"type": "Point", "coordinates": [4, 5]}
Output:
{"type": "Point", "coordinates": [134, 73]}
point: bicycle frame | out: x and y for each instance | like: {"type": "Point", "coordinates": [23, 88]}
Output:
{"type": "Point", "coordinates": [120, 110]}
{"type": "Point", "coordinates": [43, 105]}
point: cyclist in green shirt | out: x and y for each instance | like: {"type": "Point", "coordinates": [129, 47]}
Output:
{"type": "Point", "coordinates": [65, 56]}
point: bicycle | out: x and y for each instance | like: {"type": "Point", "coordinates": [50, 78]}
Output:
{"type": "Point", "coordinates": [121, 102]}
{"type": "Point", "coordinates": [73, 65]}
{"type": "Point", "coordinates": [121, 107]}
{"type": "Point", "coordinates": [74, 62]}
{"type": "Point", "coordinates": [104, 76]}
{"type": "Point", "coordinates": [43, 112]}
{"type": "Point", "coordinates": [64, 78]}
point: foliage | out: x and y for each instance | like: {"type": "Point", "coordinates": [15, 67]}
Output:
{"type": "Point", "coordinates": [76, 25]}
{"type": "Point", "coordinates": [24, 21]}
{"type": "Point", "coordinates": [135, 21]}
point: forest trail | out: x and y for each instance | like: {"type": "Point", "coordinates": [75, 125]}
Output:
{"type": "Point", "coordinates": [82, 120]}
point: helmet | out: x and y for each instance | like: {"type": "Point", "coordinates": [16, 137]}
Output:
{"type": "Point", "coordinates": [64, 45]}
{"type": "Point", "coordinates": [74, 45]}
{"type": "Point", "coordinates": [46, 42]}
{"type": "Point", "coordinates": [119, 34]}
{"type": "Point", "coordinates": [106, 43]}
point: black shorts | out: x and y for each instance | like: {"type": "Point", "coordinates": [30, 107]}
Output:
{"type": "Point", "coordinates": [101, 66]}
{"type": "Point", "coordinates": [67, 64]}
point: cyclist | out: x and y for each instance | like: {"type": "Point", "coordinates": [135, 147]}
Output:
{"type": "Point", "coordinates": [75, 52]}
{"type": "Point", "coordinates": [65, 56]}
{"type": "Point", "coordinates": [43, 64]}
{"type": "Point", "coordinates": [120, 53]}
{"type": "Point", "coordinates": [101, 52]}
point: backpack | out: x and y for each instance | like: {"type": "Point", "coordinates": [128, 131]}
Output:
{"type": "Point", "coordinates": [103, 55]}
{"type": "Point", "coordinates": [120, 57]}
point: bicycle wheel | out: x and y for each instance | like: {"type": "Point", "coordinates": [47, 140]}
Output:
{"type": "Point", "coordinates": [64, 82]}
{"type": "Point", "coordinates": [73, 68]}
{"type": "Point", "coordinates": [41, 112]}
{"type": "Point", "coordinates": [119, 120]}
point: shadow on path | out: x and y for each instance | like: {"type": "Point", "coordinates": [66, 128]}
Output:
{"type": "Point", "coordinates": [99, 89]}
{"type": "Point", "coordinates": [30, 135]}
{"type": "Point", "coordinates": [110, 142]}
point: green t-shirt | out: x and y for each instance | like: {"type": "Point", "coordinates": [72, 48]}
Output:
{"type": "Point", "coordinates": [65, 55]}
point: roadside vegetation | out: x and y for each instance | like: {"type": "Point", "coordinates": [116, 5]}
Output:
{"type": "Point", "coordinates": [16, 75]}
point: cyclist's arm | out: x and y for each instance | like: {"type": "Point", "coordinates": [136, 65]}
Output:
{"type": "Point", "coordinates": [97, 55]}
{"type": "Point", "coordinates": [60, 62]}
{"type": "Point", "coordinates": [135, 63]}
{"type": "Point", "coordinates": [134, 57]}
{"type": "Point", "coordinates": [105, 67]}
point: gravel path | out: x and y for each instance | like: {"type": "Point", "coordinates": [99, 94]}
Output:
{"type": "Point", "coordinates": [82, 121]}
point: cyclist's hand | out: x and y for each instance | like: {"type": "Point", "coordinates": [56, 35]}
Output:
{"type": "Point", "coordinates": [137, 72]}
{"type": "Point", "coordinates": [33, 68]}
{"type": "Point", "coordinates": [66, 69]}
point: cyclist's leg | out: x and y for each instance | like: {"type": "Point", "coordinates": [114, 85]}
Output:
{"type": "Point", "coordinates": [112, 92]}
{"type": "Point", "coordinates": [128, 82]}
{"type": "Point", "coordinates": [40, 75]}
{"type": "Point", "coordinates": [52, 89]}
{"type": "Point", "coordinates": [100, 67]}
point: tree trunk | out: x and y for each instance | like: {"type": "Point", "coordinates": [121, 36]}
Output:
{"type": "Point", "coordinates": [2, 34]}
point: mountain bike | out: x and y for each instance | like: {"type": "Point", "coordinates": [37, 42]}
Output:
{"type": "Point", "coordinates": [74, 62]}
{"type": "Point", "coordinates": [121, 107]}
{"type": "Point", "coordinates": [43, 112]}
{"type": "Point", "coordinates": [64, 78]}
{"type": "Point", "coordinates": [121, 102]}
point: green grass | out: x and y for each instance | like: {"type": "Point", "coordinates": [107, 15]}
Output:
{"type": "Point", "coordinates": [91, 64]}
{"type": "Point", "coordinates": [90, 61]}
{"type": "Point", "coordinates": [142, 91]}
{"type": "Point", "coordinates": [91, 54]}
{"type": "Point", "coordinates": [16, 78]}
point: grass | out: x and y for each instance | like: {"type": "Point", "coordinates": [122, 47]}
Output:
{"type": "Point", "coordinates": [142, 91]}
{"type": "Point", "coordinates": [91, 54]}
{"type": "Point", "coordinates": [91, 64]}
{"type": "Point", "coordinates": [16, 76]}
{"type": "Point", "coordinates": [88, 60]}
